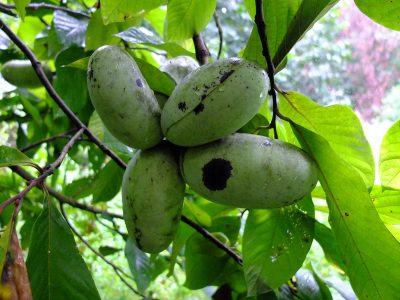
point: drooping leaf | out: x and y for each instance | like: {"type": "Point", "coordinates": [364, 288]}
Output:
{"type": "Point", "coordinates": [275, 244]}
{"type": "Point", "coordinates": [107, 183]}
{"type": "Point", "coordinates": [139, 264]}
{"type": "Point", "coordinates": [70, 30]}
{"type": "Point", "coordinates": [203, 262]}
{"type": "Point", "coordinates": [98, 34]}
{"type": "Point", "coordinates": [389, 160]}
{"type": "Point", "coordinates": [339, 125]}
{"type": "Point", "coordinates": [370, 253]}
{"type": "Point", "coordinates": [13, 157]}
{"type": "Point", "coordinates": [20, 6]}
{"type": "Point", "coordinates": [56, 269]}
{"type": "Point", "coordinates": [384, 12]}
{"type": "Point", "coordinates": [186, 18]}
{"type": "Point", "coordinates": [286, 23]}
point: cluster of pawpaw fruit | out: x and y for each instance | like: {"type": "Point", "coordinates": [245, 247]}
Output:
{"type": "Point", "coordinates": [199, 120]}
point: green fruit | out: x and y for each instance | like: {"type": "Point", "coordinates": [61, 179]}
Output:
{"type": "Point", "coordinates": [122, 98]}
{"type": "Point", "coordinates": [21, 74]}
{"type": "Point", "coordinates": [152, 193]}
{"type": "Point", "coordinates": [215, 100]}
{"type": "Point", "coordinates": [251, 171]}
{"type": "Point", "coordinates": [179, 67]}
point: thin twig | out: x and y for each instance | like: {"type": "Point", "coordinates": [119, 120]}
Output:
{"type": "Point", "coordinates": [39, 6]}
{"type": "Point", "coordinates": [47, 172]}
{"type": "Point", "coordinates": [64, 135]}
{"type": "Point", "coordinates": [216, 241]}
{"type": "Point", "coordinates": [65, 199]}
{"type": "Point", "coordinates": [53, 94]}
{"type": "Point", "coordinates": [260, 23]}
{"type": "Point", "coordinates": [116, 268]}
{"type": "Point", "coordinates": [220, 34]}
{"type": "Point", "coordinates": [109, 227]}
{"type": "Point", "coordinates": [7, 11]}
{"type": "Point", "coordinates": [202, 52]}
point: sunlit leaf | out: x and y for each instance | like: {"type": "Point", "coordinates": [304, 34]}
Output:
{"type": "Point", "coordinates": [186, 18]}
{"type": "Point", "coordinates": [201, 216]}
{"type": "Point", "coordinates": [20, 6]}
{"type": "Point", "coordinates": [384, 12]}
{"type": "Point", "coordinates": [13, 157]}
{"type": "Point", "coordinates": [56, 269]}
{"type": "Point", "coordinates": [339, 125]}
{"type": "Point", "coordinates": [70, 30]}
{"type": "Point", "coordinates": [275, 244]}
{"type": "Point", "coordinates": [369, 262]}
{"type": "Point", "coordinates": [98, 34]}
{"type": "Point", "coordinates": [389, 160]}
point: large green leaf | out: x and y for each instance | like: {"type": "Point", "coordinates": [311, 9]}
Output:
{"type": "Point", "coordinates": [13, 157]}
{"type": "Point", "coordinates": [139, 264]}
{"type": "Point", "coordinates": [203, 262]}
{"type": "Point", "coordinates": [339, 125]}
{"type": "Point", "coordinates": [188, 17]}
{"type": "Point", "coordinates": [384, 12]}
{"type": "Point", "coordinates": [389, 160]}
{"type": "Point", "coordinates": [286, 23]}
{"type": "Point", "coordinates": [275, 244]}
{"type": "Point", "coordinates": [56, 269]}
{"type": "Point", "coordinates": [70, 30]}
{"type": "Point", "coordinates": [107, 182]}
{"type": "Point", "coordinates": [370, 253]}
{"type": "Point", "coordinates": [98, 34]}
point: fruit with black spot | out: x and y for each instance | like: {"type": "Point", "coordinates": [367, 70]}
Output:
{"type": "Point", "coordinates": [123, 99]}
{"type": "Point", "coordinates": [179, 67]}
{"type": "Point", "coordinates": [152, 193]}
{"type": "Point", "coordinates": [251, 171]}
{"type": "Point", "coordinates": [213, 101]}
{"type": "Point", "coordinates": [21, 73]}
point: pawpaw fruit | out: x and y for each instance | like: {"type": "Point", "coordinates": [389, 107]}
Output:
{"type": "Point", "coordinates": [21, 73]}
{"type": "Point", "coordinates": [213, 101]}
{"type": "Point", "coordinates": [123, 99]}
{"type": "Point", "coordinates": [251, 171]}
{"type": "Point", "coordinates": [178, 67]}
{"type": "Point", "coordinates": [152, 193]}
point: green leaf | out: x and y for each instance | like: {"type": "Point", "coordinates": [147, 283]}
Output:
{"type": "Point", "coordinates": [182, 235]}
{"type": "Point", "coordinates": [139, 264]}
{"type": "Point", "coordinates": [107, 182]}
{"type": "Point", "coordinates": [55, 267]}
{"type": "Point", "coordinates": [310, 286]}
{"type": "Point", "coordinates": [70, 30]}
{"type": "Point", "coordinates": [188, 17]}
{"type": "Point", "coordinates": [157, 80]}
{"type": "Point", "coordinates": [13, 157]}
{"type": "Point", "coordinates": [156, 18]}
{"type": "Point", "coordinates": [286, 23]}
{"type": "Point", "coordinates": [326, 239]}
{"type": "Point", "coordinates": [122, 10]}
{"type": "Point", "coordinates": [20, 6]}
{"type": "Point", "coordinates": [384, 12]}
{"type": "Point", "coordinates": [98, 34]}
{"type": "Point", "coordinates": [275, 244]}
{"type": "Point", "coordinates": [201, 216]}
{"type": "Point", "coordinates": [228, 225]}
{"type": "Point", "coordinates": [80, 64]}
{"type": "Point", "coordinates": [107, 250]}
{"type": "Point", "coordinates": [203, 262]}
{"type": "Point", "coordinates": [370, 253]}
{"type": "Point", "coordinates": [389, 160]}
{"type": "Point", "coordinates": [5, 242]}
{"type": "Point", "coordinates": [338, 124]}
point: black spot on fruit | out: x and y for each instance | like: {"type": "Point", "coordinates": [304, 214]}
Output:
{"type": "Point", "coordinates": [90, 74]}
{"type": "Point", "coordinates": [199, 108]}
{"type": "Point", "coordinates": [139, 83]}
{"type": "Point", "coordinates": [216, 174]}
{"type": "Point", "coordinates": [226, 75]}
{"type": "Point", "coordinates": [182, 106]}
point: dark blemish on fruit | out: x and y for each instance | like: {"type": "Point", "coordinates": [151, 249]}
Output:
{"type": "Point", "coordinates": [98, 86]}
{"type": "Point", "coordinates": [216, 174]}
{"type": "Point", "coordinates": [182, 106]}
{"type": "Point", "coordinates": [121, 116]}
{"type": "Point", "coordinates": [267, 143]}
{"type": "Point", "coordinates": [90, 74]}
{"type": "Point", "coordinates": [199, 108]}
{"type": "Point", "coordinates": [139, 83]}
{"type": "Point", "coordinates": [204, 96]}
{"type": "Point", "coordinates": [226, 75]}
{"type": "Point", "coordinates": [306, 239]}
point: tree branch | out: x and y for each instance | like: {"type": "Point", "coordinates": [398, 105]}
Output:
{"type": "Point", "coordinates": [202, 52]}
{"type": "Point", "coordinates": [47, 172]}
{"type": "Point", "coordinates": [53, 94]}
{"type": "Point", "coordinates": [64, 135]}
{"type": "Point", "coordinates": [7, 9]}
{"type": "Point", "coordinates": [117, 269]}
{"type": "Point", "coordinates": [220, 34]}
{"type": "Point", "coordinates": [260, 23]}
